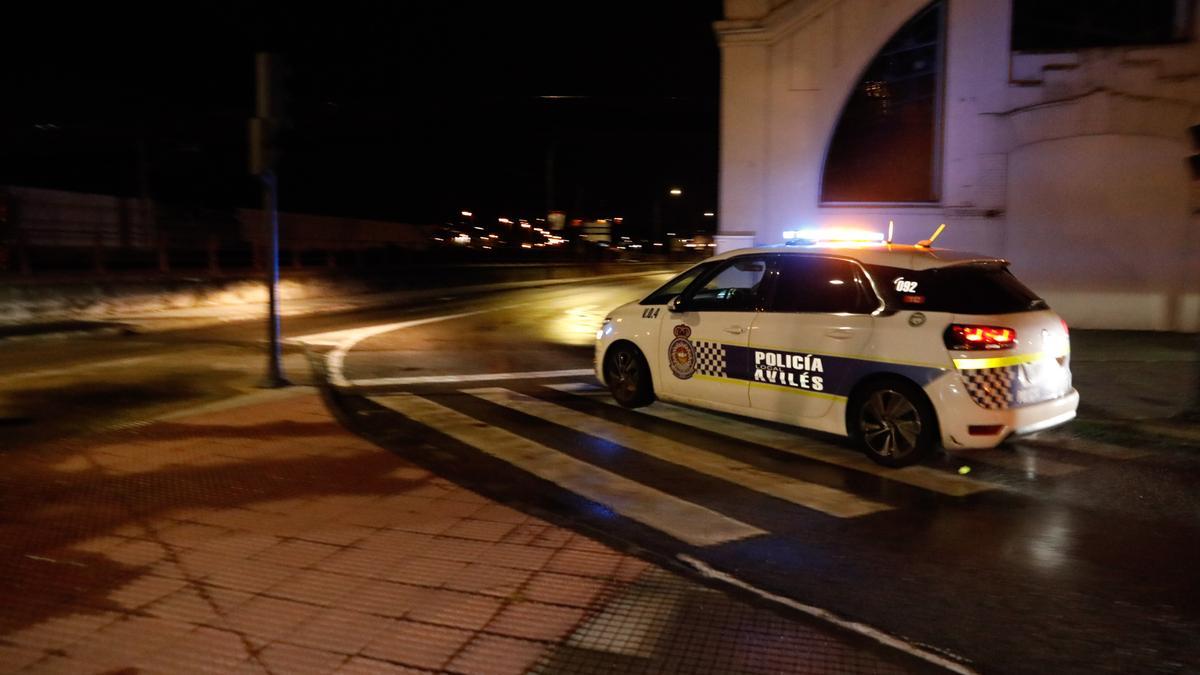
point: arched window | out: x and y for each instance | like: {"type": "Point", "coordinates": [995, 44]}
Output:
{"type": "Point", "coordinates": [887, 146]}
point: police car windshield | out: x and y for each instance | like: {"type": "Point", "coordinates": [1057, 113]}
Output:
{"type": "Point", "coordinates": [975, 288]}
{"type": "Point", "coordinates": [676, 286]}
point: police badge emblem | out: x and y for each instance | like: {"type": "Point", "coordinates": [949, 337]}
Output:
{"type": "Point", "coordinates": [681, 354]}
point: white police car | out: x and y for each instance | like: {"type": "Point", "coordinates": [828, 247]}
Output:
{"type": "Point", "coordinates": [898, 347]}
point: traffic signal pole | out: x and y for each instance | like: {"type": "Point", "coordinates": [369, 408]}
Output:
{"type": "Point", "coordinates": [262, 164]}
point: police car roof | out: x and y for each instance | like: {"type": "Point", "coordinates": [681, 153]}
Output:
{"type": "Point", "coordinates": [870, 253]}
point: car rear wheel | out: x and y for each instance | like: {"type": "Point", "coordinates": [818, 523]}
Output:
{"type": "Point", "coordinates": [893, 423]}
{"type": "Point", "coordinates": [628, 376]}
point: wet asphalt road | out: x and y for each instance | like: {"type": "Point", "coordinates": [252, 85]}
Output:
{"type": "Point", "coordinates": [1048, 556]}
{"type": "Point", "coordinates": [1066, 560]}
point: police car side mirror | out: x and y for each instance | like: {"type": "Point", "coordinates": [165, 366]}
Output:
{"type": "Point", "coordinates": [677, 305]}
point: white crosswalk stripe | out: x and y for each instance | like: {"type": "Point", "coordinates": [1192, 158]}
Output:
{"type": "Point", "coordinates": [811, 495]}
{"type": "Point", "coordinates": [918, 476]}
{"type": "Point", "coordinates": [684, 520]}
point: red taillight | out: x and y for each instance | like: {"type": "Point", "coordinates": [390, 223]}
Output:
{"type": "Point", "coordinates": [964, 337]}
{"type": "Point", "coordinates": [1066, 330]}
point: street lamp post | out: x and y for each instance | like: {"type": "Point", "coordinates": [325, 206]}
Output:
{"type": "Point", "coordinates": [262, 164]}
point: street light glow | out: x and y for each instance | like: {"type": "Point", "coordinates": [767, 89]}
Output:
{"type": "Point", "coordinates": [709, 214]}
{"type": "Point", "coordinates": [675, 192]}
{"type": "Point", "coordinates": [467, 214]}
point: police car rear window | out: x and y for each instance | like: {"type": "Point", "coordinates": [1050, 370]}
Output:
{"type": "Point", "coordinates": [976, 288]}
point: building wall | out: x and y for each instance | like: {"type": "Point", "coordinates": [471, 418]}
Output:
{"type": "Point", "coordinates": [1071, 165]}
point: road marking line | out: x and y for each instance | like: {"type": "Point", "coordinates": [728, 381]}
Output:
{"type": "Point", "coordinates": [811, 495]}
{"type": "Point", "coordinates": [474, 377]}
{"type": "Point", "coordinates": [919, 476]}
{"type": "Point", "coordinates": [343, 341]}
{"type": "Point", "coordinates": [952, 662]}
{"type": "Point", "coordinates": [688, 522]}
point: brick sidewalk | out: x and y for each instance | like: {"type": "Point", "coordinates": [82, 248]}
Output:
{"type": "Point", "coordinates": [266, 539]}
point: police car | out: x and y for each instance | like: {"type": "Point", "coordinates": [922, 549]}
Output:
{"type": "Point", "coordinates": [901, 348]}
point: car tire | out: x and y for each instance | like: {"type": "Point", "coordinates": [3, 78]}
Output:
{"type": "Point", "coordinates": [893, 423]}
{"type": "Point", "coordinates": [628, 376]}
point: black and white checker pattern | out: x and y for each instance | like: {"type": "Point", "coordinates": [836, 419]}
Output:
{"type": "Point", "coordinates": [992, 388]}
{"type": "Point", "coordinates": [710, 359]}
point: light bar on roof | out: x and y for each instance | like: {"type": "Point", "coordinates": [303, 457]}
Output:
{"type": "Point", "coordinates": [833, 234]}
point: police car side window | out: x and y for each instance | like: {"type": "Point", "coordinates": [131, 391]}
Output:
{"type": "Point", "coordinates": [820, 285]}
{"type": "Point", "coordinates": [734, 287]}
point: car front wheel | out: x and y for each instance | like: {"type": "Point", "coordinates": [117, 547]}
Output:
{"type": "Point", "coordinates": [628, 376]}
{"type": "Point", "coordinates": [893, 423]}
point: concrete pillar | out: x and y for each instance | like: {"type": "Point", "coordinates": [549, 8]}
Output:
{"type": "Point", "coordinates": [744, 109]}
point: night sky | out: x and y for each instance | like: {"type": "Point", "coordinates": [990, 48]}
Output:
{"type": "Point", "coordinates": [400, 110]}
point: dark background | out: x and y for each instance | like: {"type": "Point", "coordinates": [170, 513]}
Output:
{"type": "Point", "coordinates": [397, 110]}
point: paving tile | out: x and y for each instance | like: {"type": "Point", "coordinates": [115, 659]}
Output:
{"type": "Point", "coordinates": [463, 550]}
{"type": "Point", "coordinates": [338, 630]}
{"type": "Point", "coordinates": [407, 543]}
{"type": "Point", "coordinates": [482, 530]}
{"type": "Point", "coordinates": [385, 598]}
{"type": "Point", "coordinates": [495, 655]}
{"type": "Point", "coordinates": [425, 571]}
{"type": "Point", "coordinates": [360, 562]}
{"type": "Point", "coordinates": [584, 563]}
{"type": "Point", "coordinates": [564, 589]}
{"type": "Point", "coordinates": [336, 534]}
{"type": "Point", "coordinates": [187, 605]}
{"type": "Point", "coordinates": [137, 553]}
{"type": "Point", "coordinates": [267, 619]}
{"type": "Point", "coordinates": [488, 580]}
{"type": "Point", "coordinates": [238, 544]}
{"type": "Point", "coordinates": [198, 563]}
{"type": "Point", "coordinates": [55, 665]}
{"type": "Point", "coordinates": [14, 657]}
{"type": "Point", "coordinates": [295, 553]}
{"type": "Point", "coordinates": [249, 576]}
{"type": "Point", "coordinates": [297, 660]}
{"type": "Point", "coordinates": [363, 666]}
{"type": "Point", "coordinates": [61, 631]}
{"type": "Point", "coordinates": [204, 650]}
{"type": "Point", "coordinates": [424, 523]}
{"type": "Point", "coordinates": [144, 590]}
{"type": "Point", "coordinates": [500, 514]}
{"type": "Point", "coordinates": [454, 508]}
{"type": "Point", "coordinates": [418, 645]}
{"type": "Point", "coordinates": [535, 621]}
{"type": "Point", "coordinates": [452, 608]}
{"type": "Point", "coordinates": [189, 534]}
{"type": "Point", "coordinates": [521, 557]}
{"type": "Point", "coordinates": [316, 587]}
{"type": "Point", "coordinates": [101, 544]}
{"type": "Point", "coordinates": [121, 643]}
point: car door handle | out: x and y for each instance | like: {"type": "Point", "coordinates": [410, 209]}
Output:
{"type": "Point", "coordinates": [840, 333]}
{"type": "Point", "coordinates": [736, 330]}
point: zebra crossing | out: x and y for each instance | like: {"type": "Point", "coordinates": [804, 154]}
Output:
{"type": "Point", "coordinates": [551, 427]}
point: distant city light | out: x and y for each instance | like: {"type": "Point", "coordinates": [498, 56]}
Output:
{"type": "Point", "coordinates": [468, 214]}
{"type": "Point", "coordinates": [526, 225]}
{"type": "Point", "coordinates": [675, 192]}
{"type": "Point", "coordinates": [505, 221]}
{"type": "Point", "coordinates": [709, 214]}
{"type": "Point", "coordinates": [462, 238]}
